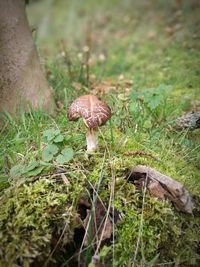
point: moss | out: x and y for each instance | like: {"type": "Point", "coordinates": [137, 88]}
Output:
{"type": "Point", "coordinates": [34, 214]}
{"type": "Point", "coordinates": [31, 217]}
{"type": "Point", "coordinates": [166, 235]}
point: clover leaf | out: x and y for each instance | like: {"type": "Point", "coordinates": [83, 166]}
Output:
{"type": "Point", "coordinates": [65, 156]}
{"type": "Point", "coordinates": [59, 138]}
{"type": "Point", "coordinates": [50, 134]}
{"type": "Point", "coordinates": [49, 151]}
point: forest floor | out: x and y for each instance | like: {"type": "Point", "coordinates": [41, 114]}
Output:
{"type": "Point", "coordinates": [143, 59]}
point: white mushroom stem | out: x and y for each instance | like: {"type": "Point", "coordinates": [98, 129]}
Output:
{"type": "Point", "coordinates": [92, 140]}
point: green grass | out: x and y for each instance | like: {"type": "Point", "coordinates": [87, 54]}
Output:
{"type": "Point", "coordinates": [164, 70]}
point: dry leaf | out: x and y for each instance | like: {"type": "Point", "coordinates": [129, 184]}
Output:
{"type": "Point", "coordinates": [169, 31]}
{"type": "Point", "coordinates": [151, 35]}
{"type": "Point", "coordinates": [128, 82]}
{"type": "Point", "coordinates": [77, 85]}
{"type": "Point", "coordinates": [60, 105]}
{"type": "Point", "coordinates": [121, 77]}
{"type": "Point", "coordinates": [65, 180]}
{"type": "Point", "coordinates": [103, 87]}
{"type": "Point", "coordinates": [97, 224]}
{"type": "Point", "coordinates": [84, 201]}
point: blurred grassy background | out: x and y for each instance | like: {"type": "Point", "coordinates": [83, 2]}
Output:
{"type": "Point", "coordinates": [149, 41]}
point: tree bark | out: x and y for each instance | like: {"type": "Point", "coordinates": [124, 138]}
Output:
{"type": "Point", "coordinates": [22, 81]}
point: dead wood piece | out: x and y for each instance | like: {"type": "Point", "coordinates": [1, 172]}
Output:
{"type": "Point", "coordinates": [156, 190]}
{"type": "Point", "coordinates": [163, 186]}
{"type": "Point", "coordinates": [190, 120]}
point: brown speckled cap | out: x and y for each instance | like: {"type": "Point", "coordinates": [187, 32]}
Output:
{"type": "Point", "coordinates": [93, 111]}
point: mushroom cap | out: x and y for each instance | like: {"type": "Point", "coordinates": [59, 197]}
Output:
{"type": "Point", "coordinates": [93, 111]}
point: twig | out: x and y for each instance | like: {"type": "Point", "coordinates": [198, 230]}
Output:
{"type": "Point", "coordinates": [65, 180]}
{"type": "Point", "coordinates": [141, 221]}
{"type": "Point", "coordinates": [108, 211]}
{"type": "Point", "coordinates": [142, 153]}
{"type": "Point", "coordinates": [52, 174]}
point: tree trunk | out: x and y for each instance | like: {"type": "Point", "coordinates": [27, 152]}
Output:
{"type": "Point", "coordinates": [22, 81]}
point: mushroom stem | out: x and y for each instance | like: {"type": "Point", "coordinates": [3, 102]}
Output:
{"type": "Point", "coordinates": [92, 140]}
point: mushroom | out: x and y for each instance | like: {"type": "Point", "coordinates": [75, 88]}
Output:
{"type": "Point", "coordinates": [94, 113]}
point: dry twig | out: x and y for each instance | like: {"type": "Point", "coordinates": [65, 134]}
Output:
{"type": "Point", "coordinates": [141, 153]}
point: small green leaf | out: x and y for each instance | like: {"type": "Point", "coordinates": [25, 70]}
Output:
{"type": "Point", "coordinates": [16, 171]}
{"type": "Point", "coordinates": [49, 135]}
{"type": "Point", "coordinates": [4, 182]}
{"type": "Point", "coordinates": [31, 166]}
{"type": "Point", "coordinates": [147, 124]}
{"type": "Point", "coordinates": [35, 172]}
{"type": "Point", "coordinates": [68, 153]}
{"type": "Point", "coordinates": [154, 101]}
{"type": "Point", "coordinates": [60, 159]}
{"type": "Point", "coordinates": [46, 164]}
{"type": "Point", "coordinates": [133, 107]}
{"type": "Point", "coordinates": [58, 138]}
{"type": "Point", "coordinates": [68, 137]}
{"type": "Point", "coordinates": [65, 156]}
{"type": "Point", "coordinates": [3, 179]}
{"type": "Point", "coordinates": [49, 151]}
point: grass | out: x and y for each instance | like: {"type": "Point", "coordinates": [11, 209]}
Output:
{"type": "Point", "coordinates": [144, 62]}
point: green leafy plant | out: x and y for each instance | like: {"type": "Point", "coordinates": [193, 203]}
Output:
{"type": "Point", "coordinates": [52, 137]}
{"type": "Point", "coordinates": [32, 169]}
{"type": "Point", "coordinates": [4, 183]}
{"type": "Point", "coordinates": [49, 152]}
{"type": "Point", "coordinates": [65, 156]}
{"type": "Point", "coordinates": [151, 106]}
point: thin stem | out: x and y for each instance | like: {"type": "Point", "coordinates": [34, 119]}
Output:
{"type": "Point", "coordinates": [141, 222]}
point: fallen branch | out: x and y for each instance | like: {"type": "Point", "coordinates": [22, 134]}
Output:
{"type": "Point", "coordinates": [162, 187]}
